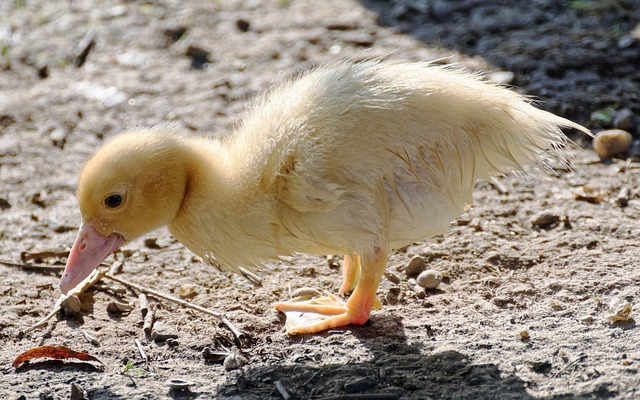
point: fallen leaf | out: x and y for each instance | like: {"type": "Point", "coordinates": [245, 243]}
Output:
{"type": "Point", "coordinates": [58, 353]}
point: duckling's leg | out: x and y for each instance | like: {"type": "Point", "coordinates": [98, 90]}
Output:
{"type": "Point", "coordinates": [350, 274]}
{"type": "Point", "coordinates": [355, 311]}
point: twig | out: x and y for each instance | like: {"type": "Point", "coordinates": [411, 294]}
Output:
{"type": "Point", "coordinates": [571, 364]}
{"type": "Point", "coordinates": [90, 281]}
{"type": "Point", "coordinates": [141, 351]}
{"type": "Point", "coordinates": [282, 390]}
{"type": "Point", "coordinates": [148, 321]}
{"type": "Point", "coordinates": [24, 256]}
{"type": "Point", "coordinates": [35, 267]}
{"type": "Point", "coordinates": [240, 336]}
{"type": "Point", "coordinates": [144, 304]}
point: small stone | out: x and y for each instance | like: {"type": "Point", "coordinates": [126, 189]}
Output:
{"type": "Point", "coordinates": [162, 331]}
{"type": "Point", "coordinates": [502, 77]}
{"type": "Point", "coordinates": [360, 385]}
{"type": "Point", "coordinates": [393, 295]}
{"type": "Point", "coordinates": [71, 306]}
{"type": "Point", "coordinates": [429, 279]}
{"type": "Point", "coordinates": [555, 304]}
{"type": "Point", "coordinates": [587, 319]}
{"type": "Point", "coordinates": [116, 307]}
{"type": "Point", "coordinates": [392, 277]}
{"type": "Point", "coordinates": [524, 335]}
{"type": "Point", "coordinates": [178, 384]}
{"type": "Point", "coordinates": [621, 311]}
{"type": "Point", "coordinates": [188, 291]}
{"type": "Point", "coordinates": [77, 392]}
{"type": "Point", "coordinates": [333, 262]}
{"type": "Point", "coordinates": [545, 221]}
{"type": "Point", "coordinates": [152, 243]}
{"type": "Point", "coordinates": [234, 361]}
{"type": "Point", "coordinates": [623, 119]}
{"type": "Point", "coordinates": [415, 267]}
{"type": "Point", "coordinates": [611, 143]}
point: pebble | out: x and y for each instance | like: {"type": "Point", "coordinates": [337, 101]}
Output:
{"type": "Point", "coordinates": [393, 295]}
{"type": "Point", "coordinates": [502, 77]}
{"type": "Point", "coordinates": [621, 311]}
{"type": "Point", "coordinates": [188, 291]}
{"type": "Point", "coordinates": [587, 319]}
{"type": "Point", "coordinates": [611, 143]}
{"type": "Point", "coordinates": [333, 262]}
{"type": "Point", "coordinates": [429, 279]}
{"type": "Point", "coordinates": [77, 392]}
{"type": "Point", "coordinates": [116, 307]}
{"type": "Point", "coordinates": [178, 384]}
{"type": "Point", "coordinates": [524, 335]}
{"type": "Point", "coordinates": [415, 267]}
{"type": "Point", "coordinates": [71, 306]}
{"type": "Point", "coordinates": [545, 221]}
{"type": "Point", "coordinates": [392, 277]}
{"type": "Point", "coordinates": [162, 331]}
{"type": "Point", "coordinates": [234, 361]}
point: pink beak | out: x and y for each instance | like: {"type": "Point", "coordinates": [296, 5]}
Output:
{"type": "Point", "coordinates": [88, 251]}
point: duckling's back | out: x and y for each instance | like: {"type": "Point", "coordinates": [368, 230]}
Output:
{"type": "Point", "coordinates": [385, 151]}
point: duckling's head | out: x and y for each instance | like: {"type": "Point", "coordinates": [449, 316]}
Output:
{"type": "Point", "coordinates": [134, 184]}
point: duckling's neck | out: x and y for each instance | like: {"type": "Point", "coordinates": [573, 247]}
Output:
{"type": "Point", "coordinates": [224, 214]}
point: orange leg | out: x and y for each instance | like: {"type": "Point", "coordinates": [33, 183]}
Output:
{"type": "Point", "coordinates": [350, 274]}
{"type": "Point", "coordinates": [355, 311]}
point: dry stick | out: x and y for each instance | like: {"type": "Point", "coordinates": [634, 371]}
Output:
{"type": "Point", "coordinates": [571, 364]}
{"type": "Point", "coordinates": [35, 267]}
{"type": "Point", "coordinates": [141, 351]}
{"type": "Point", "coordinates": [144, 304]}
{"type": "Point", "coordinates": [24, 256]}
{"type": "Point", "coordinates": [237, 333]}
{"type": "Point", "coordinates": [149, 318]}
{"type": "Point", "coordinates": [282, 390]}
{"type": "Point", "coordinates": [93, 278]}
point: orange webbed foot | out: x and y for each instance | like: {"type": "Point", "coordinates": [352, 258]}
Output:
{"type": "Point", "coordinates": [328, 312]}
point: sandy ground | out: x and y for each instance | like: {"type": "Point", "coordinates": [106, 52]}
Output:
{"type": "Point", "coordinates": [523, 310]}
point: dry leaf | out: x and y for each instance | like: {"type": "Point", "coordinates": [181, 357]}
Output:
{"type": "Point", "coordinates": [57, 353]}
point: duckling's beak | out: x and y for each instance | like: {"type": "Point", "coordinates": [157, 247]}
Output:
{"type": "Point", "coordinates": [87, 253]}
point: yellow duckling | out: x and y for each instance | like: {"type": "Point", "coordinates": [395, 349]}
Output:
{"type": "Point", "coordinates": [351, 158]}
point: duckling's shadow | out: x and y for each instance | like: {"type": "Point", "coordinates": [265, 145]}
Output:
{"type": "Point", "coordinates": [390, 368]}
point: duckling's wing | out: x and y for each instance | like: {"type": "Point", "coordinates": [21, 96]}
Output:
{"type": "Point", "coordinates": [303, 191]}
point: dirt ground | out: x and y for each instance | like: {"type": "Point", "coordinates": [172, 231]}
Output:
{"type": "Point", "coordinates": [523, 312]}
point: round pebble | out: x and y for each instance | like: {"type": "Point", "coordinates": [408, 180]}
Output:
{"type": "Point", "coordinates": [612, 142]}
{"type": "Point", "coordinates": [188, 291]}
{"type": "Point", "coordinates": [233, 361]}
{"type": "Point", "coordinates": [71, 306]}
{"type": "Point", "coordinates": [162, 331]}
{"type": "Point", "coordinates": [415, 267]}
{"type": "Point", "coordinates": [429, 279]}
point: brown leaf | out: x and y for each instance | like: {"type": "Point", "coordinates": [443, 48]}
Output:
{"type": "Point", "coordinates": [58, 353]}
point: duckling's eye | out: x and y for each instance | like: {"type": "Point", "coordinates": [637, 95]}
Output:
{"type": "Point", "coordinates": [113, 201]}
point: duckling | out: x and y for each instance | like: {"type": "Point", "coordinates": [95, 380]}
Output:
{"type": "Point", "coordinates": [353, 158]}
